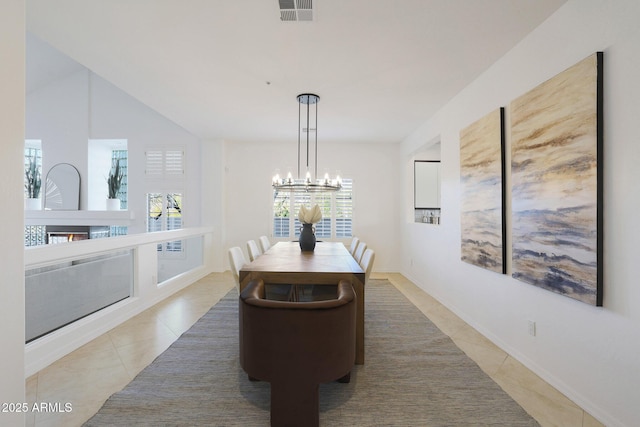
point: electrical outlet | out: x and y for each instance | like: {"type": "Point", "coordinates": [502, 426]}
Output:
{"type": "Point", "coordinates": [532, 328]}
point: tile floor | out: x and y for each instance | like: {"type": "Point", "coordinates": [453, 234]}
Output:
{"type": "Point", "coordinates": [89, 375]}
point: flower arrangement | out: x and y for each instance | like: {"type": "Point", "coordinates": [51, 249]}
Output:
{"type": "Point", "coordinates": [309, 216]}
{"type": "Point", "coordinates": [33, 181]}
{"type": "Point", "coordinates": [115, 180]}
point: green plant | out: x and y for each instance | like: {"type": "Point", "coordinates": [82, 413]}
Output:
{"type": "Point", "coordinates": [33, 179]}
{"type": "Point", "coordinates": [115, 180]}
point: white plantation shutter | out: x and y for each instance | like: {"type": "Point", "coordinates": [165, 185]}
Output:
{"type": "Point", "coordinates": [174, 162]}
{"type": "Point", "coordinates": [163, 164]}
{"type": "Point", "coordinates": [281, 214]}
{"type": "Point", "coordinates": [323, 227]}
{"type": "Point", "coordinates": [154, 165]}
{"type": "Point", "coordinates": [344, 209]}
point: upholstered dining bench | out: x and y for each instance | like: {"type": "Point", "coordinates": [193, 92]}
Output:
{"type": "Point", "coordinates": [296, 346]}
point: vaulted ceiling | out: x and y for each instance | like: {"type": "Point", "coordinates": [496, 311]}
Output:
{"type": "Point", "coordinates": [232, 69]}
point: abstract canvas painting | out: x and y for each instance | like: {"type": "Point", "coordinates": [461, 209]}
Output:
{"type": "Point", "coordinates": [556, 132]}
{"type": "Point", "coordinates": [481, 179]}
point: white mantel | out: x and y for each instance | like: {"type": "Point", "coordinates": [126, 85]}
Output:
{"type": "Point", "coordinates": [93, 218]}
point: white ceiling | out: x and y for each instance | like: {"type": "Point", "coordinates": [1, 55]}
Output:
{"type": "Point", "coordinates": [232, 69]}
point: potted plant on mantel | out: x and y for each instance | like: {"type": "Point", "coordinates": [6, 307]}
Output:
{"type": "Point", "coordinates": [33, 184]}
{"type": "Point", "coordinates": [114, 181]}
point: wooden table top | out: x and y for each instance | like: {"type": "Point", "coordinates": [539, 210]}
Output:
{"type": "Point", "coordinates": [328, 257]}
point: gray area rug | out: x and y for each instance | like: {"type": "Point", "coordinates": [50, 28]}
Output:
{"type": "Point", "coordinates": [414, 375]}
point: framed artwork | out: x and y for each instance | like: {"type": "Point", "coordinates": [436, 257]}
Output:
{"type": "Point", "coordinates": [556, 172]}
{"type": "Point", "coordinates": [483, 196]}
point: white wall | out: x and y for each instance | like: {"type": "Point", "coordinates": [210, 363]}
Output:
{"type": "Point", "coordinates": [213, 199]}
{"type": "Point", "coordinates": [373, 168]}
{"type": "Point", "coordinates": [69, 112]}
{"type": "Point", "coordinates": [589, 353]}
{"type": "Point", "coordinates": [12, 84]}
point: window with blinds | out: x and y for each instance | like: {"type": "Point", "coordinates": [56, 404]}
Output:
{"type": "Point", "coordinates": [164, 212]}
{"type": "Point", "coordinates": [344, 209]}
{"type": "Point", "coordinates": [165, 169]}
{"type": "Point", "coordinates": [337, 212]}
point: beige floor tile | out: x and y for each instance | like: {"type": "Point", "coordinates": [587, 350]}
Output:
{"type": "Point", "coordinates": [485, 353]}
{"type": "Point", "coordinates": [589, 421]}
{"type": "Point", "coordinates": [31, 394]}
{"type": "Point", "coordinates": [546, 404]}
{"type": "Point", "coordinates": [80, 380]}
{"type": "Point", "coordinates": [76, 417]}
{"type": "Point", "coordinates": [31, 388]}
{"type": "Point", "coordinates": [137, 355]}
{"type": "Point", "coordinates": [141, 327]}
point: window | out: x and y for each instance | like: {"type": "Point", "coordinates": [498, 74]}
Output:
{"type": "Point", "coordinates": [165, 213]}
{"type": "Point", "coordinates": [123, 157]}
{"type": "Point", "coordinates": [164, 171]}
{"type": "Point", "coordinates": [344, 209]}
{"type": "Point", "coordinates": [337, 212]}
{"type": "Point", "coordinates": [102, 155]}
{"type": "Point", "coordinates": [33, 153]}
{"type": "Point", "coordinates": [34, 235]}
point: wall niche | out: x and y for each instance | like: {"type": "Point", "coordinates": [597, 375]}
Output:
{"type": "Point", "coordinates": [426, 184]}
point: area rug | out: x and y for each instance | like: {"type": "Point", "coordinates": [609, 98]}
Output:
{"type": "Point", "coordinates": [413, 375]}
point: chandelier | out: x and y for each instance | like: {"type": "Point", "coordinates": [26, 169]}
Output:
{"type": "Point", "coordinates": [308, 184]}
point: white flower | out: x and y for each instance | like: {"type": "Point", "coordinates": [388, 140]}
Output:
{"type": "Point", "coordinates": [309, 216]}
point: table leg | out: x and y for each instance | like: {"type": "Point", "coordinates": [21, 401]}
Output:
{"type": "Point", "coordinates": [358, 287]}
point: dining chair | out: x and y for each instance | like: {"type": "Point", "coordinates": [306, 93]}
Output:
{"type": "Point", "coordinates": [367, 263]}
{"type": "Point", "coordinates": [354, 245]}
{"type": "Point", "coordinates": [276, 292]}
{"type": "Point", "coordinates": [264, 243]}
{"type": "Point", "coordinates": [296, 346]}
{"type": "Point", "coordinates": [237, 260]}
{"type": "Point", "coordinates": [253, 250]}
{"type": "Point", "coordinates": [362, 246]}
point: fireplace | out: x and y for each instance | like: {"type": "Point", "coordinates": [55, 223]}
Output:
{"type": "Point", "coordinates": [71, 233]}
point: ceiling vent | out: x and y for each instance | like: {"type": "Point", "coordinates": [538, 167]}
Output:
{"type": "Point", "coordinates": [296, 10]}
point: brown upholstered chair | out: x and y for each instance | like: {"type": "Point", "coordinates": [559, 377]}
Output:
{"type": "Point", "coordinates": [296, 346]}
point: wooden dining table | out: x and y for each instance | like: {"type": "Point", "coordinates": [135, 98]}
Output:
{"type": "Point", "coordinates": [328, 264]}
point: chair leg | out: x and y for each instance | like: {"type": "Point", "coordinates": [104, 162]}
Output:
{"type": "Point", "coordinates": [295, 404]}
{"type": "Point", "coordinates": [345, 379]}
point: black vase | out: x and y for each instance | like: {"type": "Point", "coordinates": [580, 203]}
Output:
{"type": "Point", "coordinates": [307, 238]}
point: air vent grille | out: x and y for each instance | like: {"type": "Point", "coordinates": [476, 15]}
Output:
{"type": "Point", "coordinates": [296, 10]}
